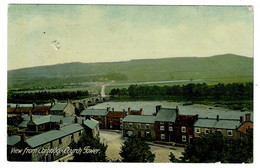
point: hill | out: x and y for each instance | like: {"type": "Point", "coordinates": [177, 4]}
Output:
{"type": "Point", "coordinates": [221, 68]}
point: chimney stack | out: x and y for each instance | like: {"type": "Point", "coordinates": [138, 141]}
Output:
{"type": "Point", "coordinates": [128, 109]}
{"type": "Point", "coordinates": [61, 121]}
{"type": "Point", "coordinates": [123, 110]}
{"type": "Point", "coordinates": [158, 108]}
{"type": "Point", "coordinates": [177, 110]}
{"type": "Point", "coordinates": [241, 119]}
{"type": "Point", "coordinates": [248, 116]}
{"type": "Point", "coordinates": [217, 117]}
{"type": "Point", "coordinates": [30, 113]}
{"type": "Point", "coordinates": [113, 109]}
{"type": "Point", "coordinates": [141, 109]}
{"type": "Point", "coordinates": [108, 108]}
{"type": "Point", "coordinates": [76, 119]}
{"type": "Point", "coordinates": [31, 117]}
{"type": "Point", "coordinates": [23, 137]}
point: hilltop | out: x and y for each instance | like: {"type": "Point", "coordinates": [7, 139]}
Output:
{"type": "Point", "coordinates": [220, 68]}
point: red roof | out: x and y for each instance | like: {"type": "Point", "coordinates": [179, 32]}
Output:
{"type": "Point", "coordinates": [119, 114]}
{"type": "Point", "coordinates": [41, 109]}
{"type": "Point", "coordinates": [11, 110]}
{"type": "Point", "coordinates": [23, 109]}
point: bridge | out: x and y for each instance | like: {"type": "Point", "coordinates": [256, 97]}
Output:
{"type": "Point", "coordinates": [84, 103]}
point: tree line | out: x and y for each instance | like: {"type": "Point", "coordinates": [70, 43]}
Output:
{"type": "Point", "coordinates": [230, 91]}
{"type": "Point", "coordinates": [43, 96]}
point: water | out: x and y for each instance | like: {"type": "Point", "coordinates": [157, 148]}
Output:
{"type": "Point", "coordinates": [149, 108]}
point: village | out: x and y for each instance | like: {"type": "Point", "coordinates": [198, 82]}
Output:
{"type": "Point", "coordinates": [56, 126]}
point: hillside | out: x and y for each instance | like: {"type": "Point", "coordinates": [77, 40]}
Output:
{"type": "Point", "coordinates": [221, 68]}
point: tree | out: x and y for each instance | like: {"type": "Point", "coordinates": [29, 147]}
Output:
{"type": "Point", "coordinates": [92, 143]}
{"type": "Point", "coordinates": [214, 147]}
{"type": "Point", "coordinates": [136, 150]}
{"type": "Point", "coordinates": [173, 158]}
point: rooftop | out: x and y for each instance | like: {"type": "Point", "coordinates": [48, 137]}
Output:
{"type": "Point", "coordinates": [140, 119]}
{"type": "Point", "coordinates": [11, 140]}
{"type": "Point", "coordinates": [58, 107]}
{"type": "Point", "coordinates": [49, 136]}
{"type": "Point", "coordinates": [94, 112]}
{"type": "Point", "coordinates": [166, 115]}
{"type": "Point", "coordinates": [91, 123]}
{"type": "Point", "coordinates": [221, 124]}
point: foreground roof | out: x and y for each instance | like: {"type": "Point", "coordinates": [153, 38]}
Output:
{"type": "Point", "coordinates": [166, 115]}
{"type": "Point", "coordinates": [11, 140]}
{"type": "Point", "coordinates": [91, 123]}
{"type": "Point", "coordinates": [94, 112]}
{"type": "Point", "coordinates": [140, 119]}
{"type": "Point", "coordinates": [221, 124]}
{"type": "Point", "coordinates": [49, 136]}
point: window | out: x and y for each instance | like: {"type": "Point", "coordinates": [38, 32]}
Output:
{"type": "Point", "coordinates": [183, 129]}
{"type": "Point", "coordinates": [111, 120]}
{"type": "Point", "coordinates": [170, 128]}
{"type": "Point", "coordinates": [130, 133]}
{"type": "Point", "coordinates": [162, 128]}
{"type": "Point", "coordinates": [183, 138]}
{"type": "Point", "coordinates": [147, 126]}
{"type": "Point", "coordinates": [162, 123]}
{"type": "Point", "coordinates": [170, 123]}
{"type": "Point", "coordinates": [139, 126]}
{"type": "Point", "coordinates": [148, 135]}
{"type": "Point", "coordinates": [111, 126]}
{"type": "Point", "coordinates": [229, 133]}
{"type": "Point", "coordinates": [207, 131]}
{"type": "Point", "coordinates": [130, 125]}
{"type": "Point", "coordinates": [162, 136]}
{"type": "Point", "coordinates": [198, 130]}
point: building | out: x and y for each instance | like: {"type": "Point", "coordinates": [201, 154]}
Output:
{"type": "Point", "coordinates": [65, 109]}
{"type": "Point", "coordinates": [245, 130]}
{"type": "Point", "coordinates": [60, 138]}
{"type": "Point", "coordinates": [97, 114]}
{"type": "Point", "coordinates": [184, 128]}
{"type": "Point", "coordinates": [135, 112]}
{"type": "Point", "coordinates": [114, 119]}
{"type": "Point", "coordinates": [141, 126]}
{"type": "Point", "coordinates": [165, 122]}
{"type": "Point", "coordinates": [228, 127]}
{"type": "Point", "coordinates": [91, 127]}
{"type": "Point", "coordinates": [41, 110]}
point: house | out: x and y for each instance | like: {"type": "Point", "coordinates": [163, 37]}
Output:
{"type": "Point", "coordinates": [165, 122]}
{"type": "Point", "coordinates": [135, 112]}
{"type": "Point", "coordinates": [36, 124]}
{"type": "Point", "coordinates": [141, 126]}
{"type": "Point", "coordinates": [184, 128]}
{"type": "Point", "coordinates": [97, 114]}
{"type": "Point", "coordinates": [91, 127]}
{"type": "Point", "coordinates": [57, 140]}
{"type": "Point", "coordinates": [114, 119]}
{"type": "Point", "coordinates": [228, 127]}
{"type": "Point", "coordinates": [245, 130]}
{"type": "Point", "coordinates": [60, 138]}
{"type": "Point", "coordinates": [65, 109]}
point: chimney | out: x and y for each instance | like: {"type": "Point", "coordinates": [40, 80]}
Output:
{"type": "Point", "coordinates": [123, 110]}
{"type": "Point", "coordinates": [75, 119]}
{"type": "Point", "coordinates": [34, 104]}
{"type": "Point", "coordinates": [196, 117]}
{"type": "Point", "coordinates": [61, 121]}
{"type": "Point", "coordinates": [30, 113]}
{"type": "Point", "coordinates": [158, 108]}
{"type": "Point", "coordinates": [128, 109]}
{"type": "Point", "coordinates": [23, 137]}
{"type": "Point", "coordinates": [141, 109]}
{"type": "Point", "coordinates": [248, 117]}
{"type": "Point", "coordinates": [217, 117]}
{"type": "Point", "coordinates": [113, 109]}
{"type": "Point", "coordinates": [57, 126]}
{"type": "Point", "coordinates": [241, 119]}
{"type": "Point", "coordinates": [177, 110]}
{"type": "Point", "coordinates": [108, 108]}
{"type": "Point", "coordinates": [31, 117]}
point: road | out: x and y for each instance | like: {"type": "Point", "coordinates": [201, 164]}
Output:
{"type": "Point", "coordinates": [103, 89]}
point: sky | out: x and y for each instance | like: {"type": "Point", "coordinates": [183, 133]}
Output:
{"type": "Point", "coordinates": [53, 34]}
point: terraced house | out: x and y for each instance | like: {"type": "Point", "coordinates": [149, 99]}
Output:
{"type": "Point", "coordinates": [228, 127]}
{"type": "Point", "coordinates": [141, 126]}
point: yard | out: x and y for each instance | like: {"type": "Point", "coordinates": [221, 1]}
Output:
{"type": "Point", "coordinates": [114, 141]}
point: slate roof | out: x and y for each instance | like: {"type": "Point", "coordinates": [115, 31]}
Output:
{"type": "Point", "coordinates": [166, 115]}
{"type": "Point", "coordinates": [221, 124]}
{"type": "Point", "coordinates": [91, 123]}
{"type": "Point", "coordinates": [52, 135]}
{"type": "Point", "coordinates": [58, 107]}
{"type": "Point", "coordinates": [140, 119]}
{"type": "Point", "coordinates": [94, 112]}
{"type": "Point", "coordinates": [11, 140]}
{"type": "Point", "coordinates": [39, 119]}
